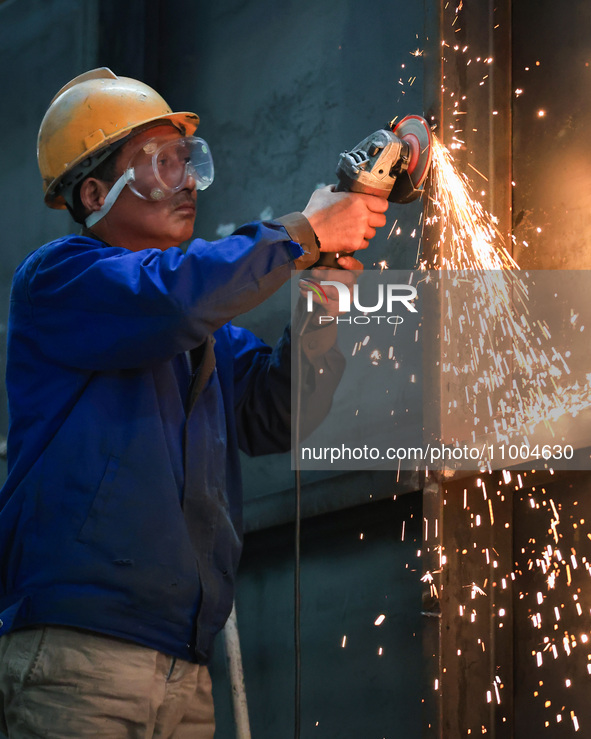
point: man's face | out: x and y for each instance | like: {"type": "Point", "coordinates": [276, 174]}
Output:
{"type": "Point", "coordinates": [141, 224]}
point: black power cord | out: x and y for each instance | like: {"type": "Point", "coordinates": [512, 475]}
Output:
{"type": "Point", "coordinates": [298, 521]}
{"type": "Point", "coordinates": [297, 609]}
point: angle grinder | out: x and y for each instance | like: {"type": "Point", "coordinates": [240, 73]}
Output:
{"type": "Point", "coordinates": [392, 163]}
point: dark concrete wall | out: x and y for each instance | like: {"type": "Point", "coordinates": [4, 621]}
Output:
{"type": "Point", "coordinates": [43, 44]}
{"type": "Point", "coordinates": [282, 90]}
{"type": "Point", "coordinates": [355, 567]}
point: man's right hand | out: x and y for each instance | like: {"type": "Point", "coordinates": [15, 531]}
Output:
{"type": "Point", "coordinates": [345, 221]}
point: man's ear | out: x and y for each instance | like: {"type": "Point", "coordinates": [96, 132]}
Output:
{"type": "Point", "coordinates": [93, 193]}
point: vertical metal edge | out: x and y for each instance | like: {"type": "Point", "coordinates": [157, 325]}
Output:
{"type": "Point", "coordinates": [501, 138]}
{"type": "Point", "coordinates": [501, 154]}
{"type": "Point", "coordinates": [431, 611]}
{"type": "Point", "coordinates": [432, 499]}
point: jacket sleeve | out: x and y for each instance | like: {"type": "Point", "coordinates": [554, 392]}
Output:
{"type": "Point", "coordinates": [96, 307]}
{"type": "Point", "coordinates": [263, 386]}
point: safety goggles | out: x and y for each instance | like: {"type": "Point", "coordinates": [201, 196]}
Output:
{"type": "Point", "coordinates": [159, 169]}
{"type": "Point", "coordinates": [162, 169]}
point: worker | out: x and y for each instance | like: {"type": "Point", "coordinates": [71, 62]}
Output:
{"type": "Point", "coordinates": [130, 394]}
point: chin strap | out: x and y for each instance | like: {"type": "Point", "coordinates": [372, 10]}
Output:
{"type": "Point", "coordinates": [112, 196]}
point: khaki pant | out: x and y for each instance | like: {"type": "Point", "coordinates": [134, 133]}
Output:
{"type": "Point", "coordinates": [61, 683]}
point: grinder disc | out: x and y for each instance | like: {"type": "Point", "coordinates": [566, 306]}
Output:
{"type": "Point", "coordinates": [416, 132]}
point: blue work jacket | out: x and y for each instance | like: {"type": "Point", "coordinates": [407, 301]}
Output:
{"type": "Point", "coordinates": [130, 394]}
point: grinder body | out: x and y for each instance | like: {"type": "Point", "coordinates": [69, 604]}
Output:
{"type": "Point", "coordinates": [392, 163]}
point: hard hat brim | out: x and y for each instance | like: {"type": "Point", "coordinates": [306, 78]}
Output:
{"type": "Point", "coordinates": [186, 123]}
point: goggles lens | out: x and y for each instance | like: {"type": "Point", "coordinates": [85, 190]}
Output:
{"type": "Point", "coordinates": [159, 170]}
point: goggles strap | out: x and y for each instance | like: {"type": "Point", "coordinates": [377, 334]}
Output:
{"type": "Point", "coordinates": [112, 196]}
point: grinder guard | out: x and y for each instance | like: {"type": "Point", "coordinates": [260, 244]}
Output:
{"type": "Point", "coordinates": [414, 131]}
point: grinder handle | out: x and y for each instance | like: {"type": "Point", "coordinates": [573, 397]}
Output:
{"type": "Point", "coordinates": [329, 258]}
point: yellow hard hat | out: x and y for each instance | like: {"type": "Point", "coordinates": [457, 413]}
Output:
{"type": "Point", "coordinates": [86, 117]}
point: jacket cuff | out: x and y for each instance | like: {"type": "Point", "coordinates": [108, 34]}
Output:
{"type": "Point", "coordinates": [299, 230]}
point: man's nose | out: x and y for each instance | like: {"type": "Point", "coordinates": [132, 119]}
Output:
{"type": "Point", "coordinates": [190, 181]}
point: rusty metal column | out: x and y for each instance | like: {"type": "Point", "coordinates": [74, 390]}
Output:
{"type": "Point", "coordinates": [476, 607]}
{"type": "Point", "coordinates": [552, 199]}
{"type": "Point", "coordinates": [469, 553]}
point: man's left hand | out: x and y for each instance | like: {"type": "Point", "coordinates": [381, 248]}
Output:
{"type": "Point", "coordinates": [347, 275]}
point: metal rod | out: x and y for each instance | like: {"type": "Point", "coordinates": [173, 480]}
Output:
{"type": "Point", "coordinates": [234, 657]}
